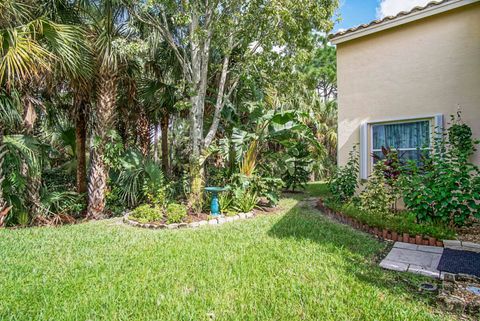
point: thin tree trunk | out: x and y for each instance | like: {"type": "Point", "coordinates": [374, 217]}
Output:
{"type": "Point", "coordinates": [102, 122]}
{"type": "Point", "coordinates": [155, 145]}
{"type": "Point", "coordinates": [4, 209]}
{"type": "Point", "coordinates": [200, 55]}
{"type": "Point", "coordinates": [80, 143]}
{"type": "Point", "coordinates": [164, 127]}
{"type": "Point", "coordinates": [172, 143]}
{"type": "Point", "coordinates": [33, 175]}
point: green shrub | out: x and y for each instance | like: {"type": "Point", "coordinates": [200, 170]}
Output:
{"type": "Point", "coordinates": [446, 188]}
{"type": "Point", "coordinates": [226, 200]}
{"type": "Point", "coordinates": [176, 213]}
{"type": "Point", "coordinates": [402, 222]}
{"type": "Point", "coordinates": [158, 197]}
{"type": "Point", "coordinates": [298, 163]}
{"type": "Point", "coordinates": [345, 182]}
{"type": "Point", "coordinates": [146, 213]}
{"type": "Point", "coordinates": [268, 187]}
{"type": "Point", "coordinates": [114, 201]}
{"type": "Point", "coordinates": [154, 187]}
{"type": "Point", "coordinates": [245, 200]}
{"type": "Point", "coordinates": [230, 212]}
{"type": "Point", "coordinates": [377, 196]}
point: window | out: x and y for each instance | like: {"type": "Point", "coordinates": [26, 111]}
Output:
{"type": "Point", "coordinates": [410, 136]}
{"type": "Point", "coordinates": [410, 139]}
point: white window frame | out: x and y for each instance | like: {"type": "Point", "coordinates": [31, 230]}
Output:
{"type": "Point", "coordinates": [366, 136]}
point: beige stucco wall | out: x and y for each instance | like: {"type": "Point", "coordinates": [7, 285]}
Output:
{"type": "Point", "coordinates": [429, 66]}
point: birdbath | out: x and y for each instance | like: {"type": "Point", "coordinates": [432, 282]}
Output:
{"type": "Point", "coordinates": [214, 206]}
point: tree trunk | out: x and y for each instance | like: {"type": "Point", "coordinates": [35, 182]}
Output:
{"type": "Point", "coordinates": [102, 122]}
{"type": "Point", "coordinates": [143, 132]}
{"type": "Point", "coordinates": [155, 145]}
{"type": "Point", "coordinates": [4, 209]}
{"type": "Point", "coordinates": [200, 56]}
{"type": "Point", "coordinates": [33, 175]}
{"type": "Point", "coordinates": [80, 143]}
{"type": "Point", "coordinates": [197, 181]}
{"type": "Point", "coordinates": [165, 155]}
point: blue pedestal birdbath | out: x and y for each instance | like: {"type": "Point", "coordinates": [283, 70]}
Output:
{"type": "Point", "coordinates": [214, 205]}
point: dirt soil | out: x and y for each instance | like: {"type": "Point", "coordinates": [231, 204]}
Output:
{"type": "Point", "coordinates": [470, 233]}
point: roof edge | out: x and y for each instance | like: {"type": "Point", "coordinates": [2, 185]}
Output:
{"type": "Point", "coordinates": [401, 18]}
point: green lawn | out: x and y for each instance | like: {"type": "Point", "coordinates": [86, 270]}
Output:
{"type": "Point", "coordinates": [295, 265]}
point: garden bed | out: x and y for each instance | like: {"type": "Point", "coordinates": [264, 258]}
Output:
{"type": "Point", "coordinates": [395, 227]}
{"type": "Point", "coordinates": [193, 221]}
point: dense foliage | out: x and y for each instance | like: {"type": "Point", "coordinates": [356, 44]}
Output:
{"type": "Point", "coordinates": [377, 195]}
{"type": "Point", "coordinates": [109, 105]}
{"type": "Point", "coordinates": [446, 188]}
{"type": "Point", "coordinates": [345, 182]}
{"type": "Point", "coordinates": [443, 188]}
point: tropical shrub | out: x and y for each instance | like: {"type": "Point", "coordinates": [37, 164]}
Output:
{"type": "Point", "coordinates": [114, 203]}
{"type": "Point", "coordinates": [137, 179]}
{"type": "Point", "coordinates": [226, 201]}
{"type": "Point", "coordinates": [393, 165]}
{"type": "Point", "coordinates": [245, 200]}
{"type": "Point", "coordinates": [176, 213]}
{"type": "Point", "coordinates": [377, 196]}
{"type": "Point", "coordinates": [345, 182]}
{"type": "Point", "coordinates": [64, 202]}
{"type": "Point", "coordinates": [446, 187]}
{"type": "Point", "coordinates": [145, 213]}
{"type": "Point", "coordinates": [268, 187]}
{"type": "Point", "coordinates": [298, 167]}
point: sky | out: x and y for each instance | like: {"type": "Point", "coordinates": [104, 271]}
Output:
{"type": "Point", "coordinates": [356, 12]}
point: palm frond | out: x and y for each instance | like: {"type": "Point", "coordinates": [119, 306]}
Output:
{"type": "Point", "coordinates": [22, 147]}
{"type": "Point", "coordinates": [10, 106]}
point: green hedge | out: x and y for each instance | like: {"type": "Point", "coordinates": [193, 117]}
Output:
{"type": "Point", "coordinates": [401, 222]}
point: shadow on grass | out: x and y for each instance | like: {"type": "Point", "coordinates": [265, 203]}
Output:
{"type": "Point", "coordinates": [360, 252]}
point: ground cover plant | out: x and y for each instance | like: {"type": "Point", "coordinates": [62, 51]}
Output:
{"type": "Point", "coordinates": [404, 222]}
{"type": "Point", "coordinates": [292, 265]}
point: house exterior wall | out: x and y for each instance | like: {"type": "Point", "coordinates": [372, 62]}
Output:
{"type": "Point", "coordinates": [423, 68]}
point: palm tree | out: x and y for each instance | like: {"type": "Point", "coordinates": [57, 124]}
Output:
{"type": "Point", "coordinates": [159, 91]}
{"type": "Point", "coordinates": [30, 45]}
{"type": "Point", "coordinates": [107, 24]}
{"type": "Point", "coordinates": [9, 116]}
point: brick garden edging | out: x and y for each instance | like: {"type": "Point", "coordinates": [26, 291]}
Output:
{"type": "Point", "coordinates": [385, 234]}
{"type": "Point", "coordinates": [212, 221]}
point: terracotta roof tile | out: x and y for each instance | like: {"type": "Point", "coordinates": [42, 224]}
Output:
{"type": "Point", "coordinates": [388, 18]}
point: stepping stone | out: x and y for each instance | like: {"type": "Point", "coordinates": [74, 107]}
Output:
{"type": "Point", "coordinates": [419, 259]}
{"type": "Point", "coordinates": [395, 266]}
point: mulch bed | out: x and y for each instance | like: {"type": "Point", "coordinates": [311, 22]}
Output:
{"type": "Point", "coordinates": [470, 233]}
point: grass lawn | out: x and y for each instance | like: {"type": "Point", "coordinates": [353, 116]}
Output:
{"type": "Point", "coordinates": [294, 265]}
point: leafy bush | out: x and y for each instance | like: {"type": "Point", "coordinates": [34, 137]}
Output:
{"type": "Point", "coordinates": [226, 201]}
{"type": "Point", "coordinates": [64, 202]}
{"type": "Point", "coordinates": [114, 202]}
{"type": "Point", "coordinates": [268, 187]}
{"type": "Point", "coordinates": [176, 213]}
{"type": "Point", "coordinates": [345, 182]}
{"type": "Point", "coordinates": [245, 200]}
{"type": "Point", "coordinates": [139, 179]}
{"type": "Point", "coordinates": [155, 188]}
{"type": "Point", "coordinates": [403, 222]}
{"type": "Point", "coordinates": [377, 196]}
{"type": "Point", "coordinates": [446, 188]}
{"type": "Point", "coordinates": [145, 213]}
{"type": "Point", "coordinates": [298, 167]}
